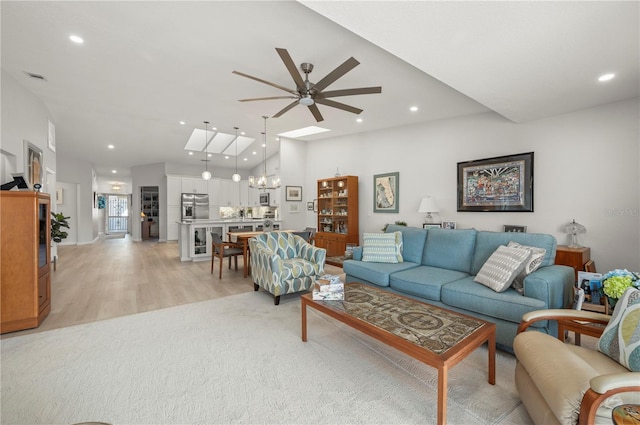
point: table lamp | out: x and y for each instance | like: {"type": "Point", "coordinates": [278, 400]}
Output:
{"type": "Point", "coordinates": [573, 229]}
{"type": "Point", "coordinates": [428, 205]}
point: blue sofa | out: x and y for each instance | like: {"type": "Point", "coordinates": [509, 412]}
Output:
{"type": "Point", "coordinates": [439, 266]}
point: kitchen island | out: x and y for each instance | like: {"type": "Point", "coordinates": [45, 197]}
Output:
{"type": "Point", "coordinates": [194, 237]}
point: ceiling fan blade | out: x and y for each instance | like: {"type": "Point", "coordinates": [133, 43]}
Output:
{"type": "Point", "coordinates": [347, 66]}
{"type": "Point", "coordinates": [285, 109]}
{"type": "Point", "coordinates": [291, 67]}
{"type": "Point", "coordinates": [349, 92]}
{"type": "Point", "coordinates": [267, 98]}
{"type": "Point", "coordinates": [316, 112]}
{"type": "Point", "coordinates": [260, 80]}
{"type": "Point", "coordinates": [338, 105]}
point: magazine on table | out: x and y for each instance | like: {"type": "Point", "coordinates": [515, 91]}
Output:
{"type": "Point", "coordinates": [328, 287]}
{"type": "Point", "coordinates": [591, 285]}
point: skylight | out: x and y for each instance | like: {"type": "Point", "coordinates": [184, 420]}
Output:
{"type": "Point", "coordinates": [306, 131]}
{"type": "Point", "coordinates": [216, 142]}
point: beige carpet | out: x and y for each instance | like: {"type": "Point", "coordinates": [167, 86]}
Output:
{"type": "Point", "coordinates": [237, 359]}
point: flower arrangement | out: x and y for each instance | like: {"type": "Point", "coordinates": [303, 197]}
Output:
{"type": "Point", "coordinates": [617, 281]}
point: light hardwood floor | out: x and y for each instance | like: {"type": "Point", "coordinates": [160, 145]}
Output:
{"type": "Point", "coordinates": [118, 277]}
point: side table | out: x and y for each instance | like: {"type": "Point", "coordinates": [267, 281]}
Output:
{"type": "Point", "coordinates": [573, 257]}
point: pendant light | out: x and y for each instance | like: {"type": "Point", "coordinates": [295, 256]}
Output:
{"type": "Point", "coordinates": [236, 177]}
{"type": "Point", "coordinates": [262, 182]}
{"type": "Point", "coordinates": [206, 175]}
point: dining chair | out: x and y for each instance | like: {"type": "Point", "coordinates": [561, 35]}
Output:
{"type": "Point", "coordinates": [221, 250]}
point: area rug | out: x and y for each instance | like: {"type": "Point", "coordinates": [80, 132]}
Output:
{"type": "Point", "coordinates": [238, 359]}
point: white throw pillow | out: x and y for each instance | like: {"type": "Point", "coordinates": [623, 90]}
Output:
{"type": "Point", "coordinates": [382, 247]}
{"type": "Point", "coordinates": [502, 267]}
{"type": "Point", "coordinates": [532, 264]}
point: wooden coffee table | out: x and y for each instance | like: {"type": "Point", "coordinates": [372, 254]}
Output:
{"type": "Point", "coordinates": [438, 337]}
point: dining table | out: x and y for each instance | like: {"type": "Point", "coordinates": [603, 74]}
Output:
{"type": "Point", "coordinates": [242, 239]}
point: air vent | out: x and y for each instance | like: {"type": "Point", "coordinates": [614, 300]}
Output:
{"type": "Point", "coordinates": [36, 76]}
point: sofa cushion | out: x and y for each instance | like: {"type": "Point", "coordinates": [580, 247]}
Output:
{"type": "Point", "coordinates": [413, 240]}
{"type": "Point", "coordinates": [488, 242]}
{"type": "Point", "coordinates": [533, 262]}
{"type": "Point", "coordinates": [424, 281]}
{"type": "Point", "coordinates": [450, 249]}
{"type": "Point", "coordinates": [508, 305]}
{"type": "Point", "coordinates": [502, 267]}
{"type": "Point", "coordinates": [375, 273]}
{"type": "Point", "coordinates": [620, 339]}
{"type": "Point", "coordinates": [382, 247]}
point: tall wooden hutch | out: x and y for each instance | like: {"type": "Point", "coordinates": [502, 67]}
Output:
{"type": "Point", "coordinates": [337, 214]}
{"type": "Point", "coordinates": [25, 269]}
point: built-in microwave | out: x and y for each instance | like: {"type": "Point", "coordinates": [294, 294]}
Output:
{"type": "Point", "coordinates": [264, 198]}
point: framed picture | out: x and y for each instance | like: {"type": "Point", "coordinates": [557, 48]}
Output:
{"type": "Point", "coordinates": [503, 183]}
{"type": "Point", "coordinates": [513, 228]}
{"type": "Point", "coordinates": [294, 208]}
{"type": "Point", "coordinates": [386, 192]}
{"type": "Point", "coordinates": [293, 193]}
{"type": "Point", "coordinates": [449, 225]}
{"type": "Point", "coordinates": [310, 206]}
{"type": "Point", "coordinates": [431, 225]}
{"type": "Point", "coordinates": [59, 196]}
{"type": "Point", "coordinates": [33, 166]}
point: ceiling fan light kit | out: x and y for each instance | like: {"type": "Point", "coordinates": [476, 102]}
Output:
{"type": "Point", "coordinates": [309, 94]}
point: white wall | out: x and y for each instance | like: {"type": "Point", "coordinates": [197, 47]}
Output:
{"type": "Point", "coordinates": [24, 118]}
{"type": "Point", "coordinates": [293, 158]}
{"type": "Point", "coordinates": [586, 168]}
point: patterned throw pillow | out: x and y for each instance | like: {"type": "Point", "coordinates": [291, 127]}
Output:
{"type": "Point", "coordinates": [502, 267]}
{"type": "Point", "coordinates": [382, 247]}
{"type": "Point", "coordinates": [621, 338]}
{"type": "Point", "coordinates": [531, 265]}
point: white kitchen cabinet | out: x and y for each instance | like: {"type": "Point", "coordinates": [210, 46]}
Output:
{"type": "Point", "coordinates": [194, 185]}
{"type": "Point", "coordinates": [214, 192]}
{"type": "Point", "coordinates": [229, 193]}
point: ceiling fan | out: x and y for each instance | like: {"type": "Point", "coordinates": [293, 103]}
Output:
{"type": "Point", "coordinates": [309, 94]}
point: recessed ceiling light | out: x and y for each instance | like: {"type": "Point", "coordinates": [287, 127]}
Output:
{"type": "Point", "coordinates": [190, 153]}
{"type": "Point", "coordinates": [359, 120]}
{"type": "Point", "coordinates": [246, 159]}
{"type": "Point", "coordinates": [242, 133]}
{"type": "Point", "coordinates": [76, 39]}
{"type": "Point", "coordinates": [413, 108]}
{"type": "Point", "coordinates": [114, 171]}
{"type": "Point", "coordinates": [182, 123]}
{"type": "Point", "coordinates": [226, 157]}
{"type": "Point", "coordinates": [263, 145]}
{"type": "Point", "coordinates": [606, 77]}
{"type": "Point", "coordinates": [209, 155]}
{"type": "Point", "coordinates": [254, 152]}
{"type": "Point", "coordinates": [110, 146]}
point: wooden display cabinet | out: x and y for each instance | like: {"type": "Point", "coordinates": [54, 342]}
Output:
{"type": "Point", "coordinates": [25, 275]}
{"type": "Point", "coordinates": [337, 214]}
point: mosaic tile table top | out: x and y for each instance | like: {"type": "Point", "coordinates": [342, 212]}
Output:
{"type": "Point", "coordinates": [430, 327]}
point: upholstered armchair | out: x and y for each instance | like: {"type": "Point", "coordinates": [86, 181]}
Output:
{"type": "Point", "coordinates": [284, 263]}
{"type": "Point", "coordinates": [562, 383]}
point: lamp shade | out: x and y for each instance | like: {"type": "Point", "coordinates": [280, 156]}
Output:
{"type": "Point", "coordinates": [428, 205]}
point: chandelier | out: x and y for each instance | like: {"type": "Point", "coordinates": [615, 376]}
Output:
{"type": "Point", "coordinates": [263, 181]}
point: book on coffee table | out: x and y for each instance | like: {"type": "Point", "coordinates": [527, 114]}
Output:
{"type": "Point", "coordinates": [328, 287]}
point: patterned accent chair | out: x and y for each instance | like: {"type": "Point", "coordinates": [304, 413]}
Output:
{"type": "Point", "coordinates": [283, 263]}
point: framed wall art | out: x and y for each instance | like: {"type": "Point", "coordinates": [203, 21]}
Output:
{"type": "Point", "coordinates": [451, 225]}
{"type": "Point", "coordinates": [33, 164]}
{"type": "Point", "coordinates": [514, 228]}
{"type": "Point", "coordinates": [386, 192]}
{"type": "Point", "coordinates": [310, 206]}
{"type": "Point", "coordinates": [499, 184]}
{"type": "Point", "coordinates": [293, 193]}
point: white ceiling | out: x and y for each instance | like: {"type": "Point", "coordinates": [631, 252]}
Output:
{"type": "Point", "coordinates": [145, 66]}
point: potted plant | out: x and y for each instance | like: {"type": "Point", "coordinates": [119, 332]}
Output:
{"type": "Point", "coordinates": [399, 223]}
{"type": "Point", "coordinates": [58, 221]}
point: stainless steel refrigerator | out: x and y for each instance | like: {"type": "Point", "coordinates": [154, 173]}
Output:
{"type": "Point", "coordinates": [195, 206]}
